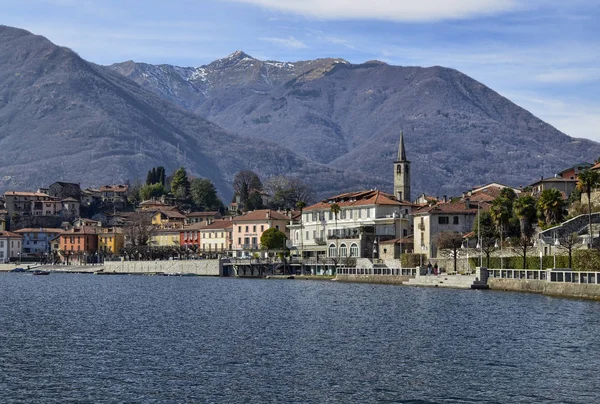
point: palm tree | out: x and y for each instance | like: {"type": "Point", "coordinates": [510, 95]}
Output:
{"type": "Point", "coordinates": [501, 213]}
{"type": "Point", "coordinates": [335, 209]}
{"type": "Point", "coordinates": [525, 210]}
{"type": "Point", "coordinates": [551, 206]}
{"type": "Point", "coordinates": [587, 180]}
{"type": "Point", "coordinates": [301, 205]}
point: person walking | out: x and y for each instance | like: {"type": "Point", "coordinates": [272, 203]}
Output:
{"type": "Point", "coordinates": [429, 268]}
{"type": "Point", "coordinates": [436, 269]}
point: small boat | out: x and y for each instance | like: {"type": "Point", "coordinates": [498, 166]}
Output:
{"type": "Point", "coordinates": [40, 272]}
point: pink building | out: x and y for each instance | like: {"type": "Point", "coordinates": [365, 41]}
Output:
{"type": "Point", "coordinates": [249, 227]}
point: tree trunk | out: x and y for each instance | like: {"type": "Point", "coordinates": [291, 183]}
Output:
{"type": "Point", "coordinates": [589, 192]}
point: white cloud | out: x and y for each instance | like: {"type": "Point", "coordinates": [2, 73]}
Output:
{"type": "Point", "coordinates": [570, 75]}
{"type": "Point", "coordinates": [389, 10]}
{"type": "Point", "coordinates": [289, 42]}
{"type": "Point", "coordinates": [576, 117]}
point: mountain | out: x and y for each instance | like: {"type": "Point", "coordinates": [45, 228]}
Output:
{"type": "Point", "coordinates": [63, 118]}
{"type": "Point", "coordinates": [459, 133]}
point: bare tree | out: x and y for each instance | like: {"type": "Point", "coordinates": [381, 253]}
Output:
{"type": "Point", "coordinates": [139, 230]}
{"type": "Point", "coordinates": [450, 240]}
{"type": "Point", "coordinates": [568, 243]}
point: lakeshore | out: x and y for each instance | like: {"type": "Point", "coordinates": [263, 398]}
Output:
{"type": "Point", "coordinates": [560, 283]}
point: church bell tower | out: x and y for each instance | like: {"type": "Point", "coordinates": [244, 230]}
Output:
{"type": "Point", "coordinates": [402, 173]}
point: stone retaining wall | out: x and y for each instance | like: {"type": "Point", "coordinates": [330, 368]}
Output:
{"type": "Point", "coordinates": [197, 267]}
{"type": "Point", "coordinates": [382, 279]}
{"type": "Point", "coordinates": [518, 285]}
{"type": "Point", "coordinates": [582, 290]}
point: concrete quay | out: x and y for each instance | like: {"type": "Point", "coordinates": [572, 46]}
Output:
{"type": "Point", "coordinates": [448, 281]}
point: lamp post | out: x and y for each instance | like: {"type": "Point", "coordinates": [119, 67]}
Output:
{"type": "Point", "coordinates": [479, 243]}
{"type": "Point", "coordinates": [556, 244]}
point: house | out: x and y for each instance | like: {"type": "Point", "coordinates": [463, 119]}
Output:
{"type": "Point", "coordinates": [111, 242]}
{"type": "Point", "coordinates": [115, 194]}
{"type": "Point", "coordinates": [572, 173]}
{"type": "Point", "coordinates": [249, 227]}
{"type": "Point", "coordinates": [564, 185]}
{"type": "Point", "coordinates": [82, 221]}
{"type": "Point", "coordinates": [365, 219]}
{"type": "Point", "coordinates": [155, 205]}
{"type": "Point", "coordinates": [36, 241]}
{"type": "Point", "coordinates": [79, 243]}
{"type": "Point", "coordinates": [10, 246]}
{"type": "Point", "coordinates": [190, 235]}
{"type": "Point", "coordinates": [168, 219]}
{"type": "Point", "coordinates": [216, 237]}
{"type": "Point", "coordinates": [29, 203]}
{"type": "Point", "coordinates": [165, 238]}
{"type": "Point", "coordinates": [201, 217]}
{"type": "Point", "coordinates": [430, 221]}
{"type": "Point", "coordinates": [63, 190]}
{"type": "Point", "coordinates": [91, 196]}
{"type": "Point", "coordinates": [394, 248]}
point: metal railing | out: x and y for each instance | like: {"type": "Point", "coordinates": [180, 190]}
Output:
{"type": "Point", "coordinates": [377, 271]}
{"type": "Point", "coordinates": [560, 276]}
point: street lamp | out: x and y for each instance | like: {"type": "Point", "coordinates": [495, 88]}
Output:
{"type": "Point", "coordinates": [556, 244]}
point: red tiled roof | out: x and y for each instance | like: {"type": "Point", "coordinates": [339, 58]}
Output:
{"type": "Point", "coordinates": [9, 234]}
{"type": "Point", "coordinates": [362, 198]}
{"type": "Point", "coordinates": [452, 207]}
{"type": "Point", "coordinates": [262, 214]}
{"type": "Point", "coordinates": [24, 193]}
{"type": "Point", "coordinates": [219, 224]}
{"type": "Point", "coordinates": [39, 230]}
{"type": "Point", "coordinates": [202, 214]}
{"type": "Point", "coordinates": [172, 214]}
{"type": "Point", "coordinates": [80, 230]}
{"type": "Point", "coordinates": [114, 188]}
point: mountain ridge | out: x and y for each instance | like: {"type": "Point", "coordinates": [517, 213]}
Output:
{"type": "Point", "coordinates": [62, 117]}
{"type": "Point", "coordinates": [349, 115]}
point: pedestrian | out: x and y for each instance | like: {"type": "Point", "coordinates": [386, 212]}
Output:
{"type": "Point", "coordinates": [436, 269]}
{"type": "Point", "coordinates": [429, 268]}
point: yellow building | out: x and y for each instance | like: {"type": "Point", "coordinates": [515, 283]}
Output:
{"type": "Point", "coordinates": [168, 219]}
{"type": "Point", "coordinates": [2, 220]}
{"type": "Point", "coordinates": [111, 243]}
{"type": "Point", "coordinates": [165, 238]}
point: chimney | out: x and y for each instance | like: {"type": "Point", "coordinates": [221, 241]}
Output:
{"type": "Point", "coordinates": [445, 199]}
{"type": "Point", "coordinates": [267, 214]}
{"type": "Point", "coordinates": [468, 202]}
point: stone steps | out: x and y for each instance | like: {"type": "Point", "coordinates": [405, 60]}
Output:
{"type": "Point", "coordinates": [447, 281]}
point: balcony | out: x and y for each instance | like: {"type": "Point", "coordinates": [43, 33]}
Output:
{"type": "Point", "coordinates": [250, 246]}
{"type": "Point", "coordinates": [320, 241]}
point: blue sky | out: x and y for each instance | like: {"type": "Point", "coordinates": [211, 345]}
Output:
{"type": "Point", "coordinates": [543, 55]}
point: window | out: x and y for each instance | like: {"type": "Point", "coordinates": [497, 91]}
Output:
{"type": "Point", "coordinates": [342, 214]}
{"type": "Point", "coordinates": [455, 220]}
{"type": "Point", "coordinates": [277, 227]}
{"type": "Point", "coordinates": [368, 212]}
{"type": "Point", "coordinates": [307, 235]}
{"type": "Point", "coordinates": [443, 220]}
{"type": "Point", "coordinates": [246, 229]}
{"type": "Point", "coordinates": [332, 250]}
{"type": "Point", "coordinates": [354, 250]}
{"type": "Point", "coordinates": [2, 244]}
{"type": "Point", "coordinates": [314, 216]}
{"type": "Point", "coordinates": [239, 240]}
{"type": "Point", "coordinates": [330, 215]}
{"type": "Point", "coordinates": [314, 234]}
{"type": "Point", "coordinates": [254, 229]}
{"type": "Point", "coordinates": [343, 250]}
{"type": "Point", "coordinates": [262, 227]}
{"type": "Point", "coordinates": [399, 169]}
{"type": "Point", "coordinates": [239, 229]}
{"type": "Point", "coordinates": [359, 213]}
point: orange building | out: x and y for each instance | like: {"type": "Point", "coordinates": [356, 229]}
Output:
{"type": "Point", "coordinates": [79, 243]}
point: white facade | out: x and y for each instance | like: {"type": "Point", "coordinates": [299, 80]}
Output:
{"type": "Point", "coordinates": [359, 226]}
{"type": "Point", "coordinates": [10, 246]}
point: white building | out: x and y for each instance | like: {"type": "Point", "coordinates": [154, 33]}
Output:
{"type": "Point", "coordinates": [10, 246]}
{"type": "Point", "coordinates": [365, 218]}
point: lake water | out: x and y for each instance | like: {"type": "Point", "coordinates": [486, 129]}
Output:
{"type": "Point", "coordinates": [143, 339]}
